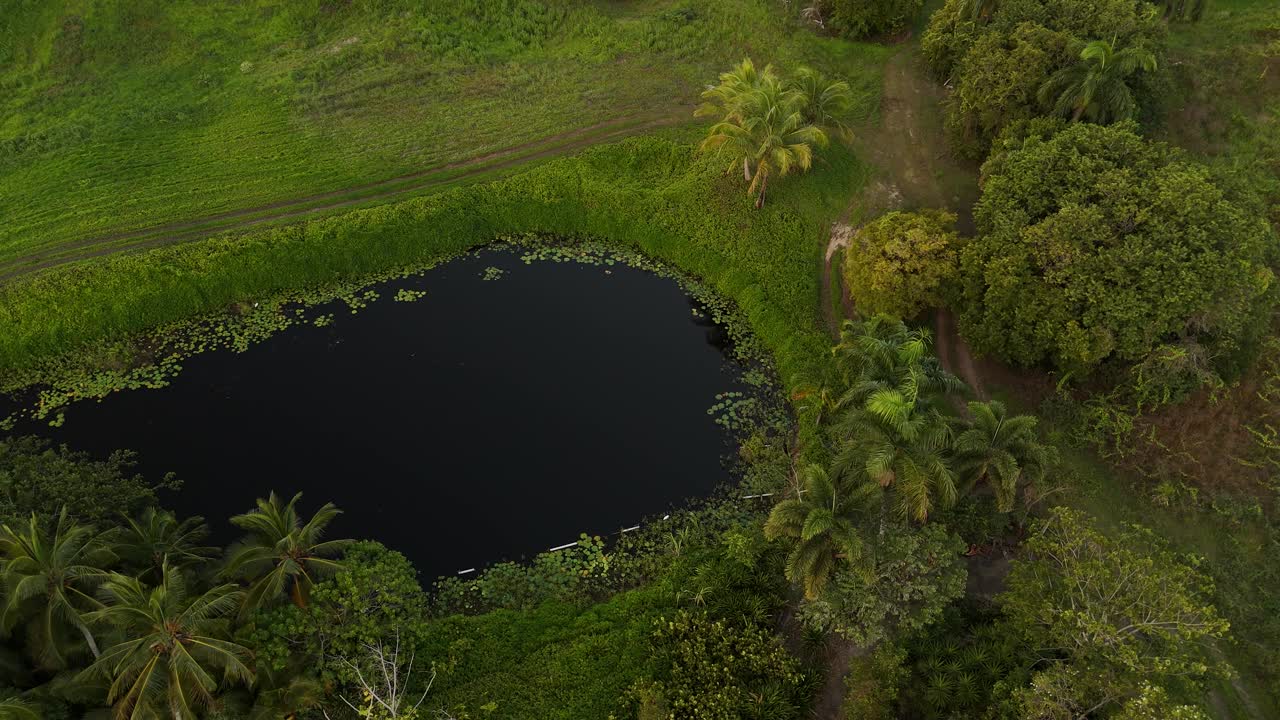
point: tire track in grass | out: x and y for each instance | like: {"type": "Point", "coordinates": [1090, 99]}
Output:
{"type": "Point", "coordinates": [350, 197]}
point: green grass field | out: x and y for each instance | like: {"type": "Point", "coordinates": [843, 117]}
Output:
{"type": "Point", "coordinates": [120, 116]}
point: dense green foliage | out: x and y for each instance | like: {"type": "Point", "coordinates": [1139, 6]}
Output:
{"type": "Point", "coordinates": [915, 575]}
{"type": "Point", "coordinates": [1108, 616]}
{"type": "Point", "coordinates": [865, 18]}
{"type": "Point", "coordinates": [898, 264]}
{"type": "Point", "coordinates": [1001, 56]}
{"type": "Point", "coordinates": [1095, 244]}
{"type": "Point", "coordinates": [36, 477]}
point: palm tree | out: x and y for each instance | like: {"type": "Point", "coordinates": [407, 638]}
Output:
{"type": "Point", "coordinates": [174, 657]}
{"type": "Point", "coordinates": [48, 582]}
{"type": "Point", "coordinates": [893, 434]}
{"type": "Point", "coordinates": [17, 709]}
{"type": "Point", "coordinates": [1000, 451]}
{"type": "Point", "coordinates": [763, 127]}
{"type": "Point", "coordinates": [281, 554]}
{"type": "Point", "coordinates": [1095, 88]}
{"type": "Point", "coordinates": [826, 102]}
{"type": "Point", "coordinates": [883, 353]}
{"type": "Point", "coordinates": [157, 537]}
{"type": "Point", "coordinates": [729, 98]}
{"type": "Point", "coordinates": [898, 441]}
{"type": "Point", "coordinates": [821, 522]}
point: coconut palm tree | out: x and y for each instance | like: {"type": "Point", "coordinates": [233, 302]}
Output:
{"type": "Point", "coordinates": [175, 655]}
{"type": "Point", "coordinates": [157, 537]}
{"type": "Point", "coordinates": [821, 521]}
{"type": "Point", "coordinates": [1001, 451]}
{"type": "Point", "coordinates": [1094, 89]}
{"type": "Point", "coordinates": [48, 581]}
{"type": "Point", "coordinates": [762, 126]}
{"type": "Point", "coordinates": [727, 100]}
{"type": "Point", "coordinates": [825, 102]}
{"type": "Point", "coordinates": [281, 554]}
{"type": "Point", "coordinates": [17, 709]}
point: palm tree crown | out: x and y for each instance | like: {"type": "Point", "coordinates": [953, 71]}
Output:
{"type": "Point", "coordinates": [820, 520]}
{"type": "Point", "coordinates": [893, 435]}
{"type": "Point", "coordinates": [762, 125]}
{"type": "Point", "coordinates": [48, 583]}
{"type": "Point", "coordinates": [1001, 450]}
{"type": "Point", "coordinates": [175, 655]}
{"type": "Point", "coordinates": [281, 554]}
{"type": "Point", "coordinates": [1094, 89]}
{"type": "Point", "coordinates": [157, 537]}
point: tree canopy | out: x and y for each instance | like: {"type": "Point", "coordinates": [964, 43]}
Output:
{"type": "Point", "coordinates": [1095, 244]}
{"type": "Point", "coordinates": [898, 263]}
{"type": "Point", "coordinates": [999, 54]}
{"type": "Point", "coordinates": [1108, 615]}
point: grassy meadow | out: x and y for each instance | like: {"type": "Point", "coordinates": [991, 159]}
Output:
{"type": "Point", "coordinates": [118, 116]}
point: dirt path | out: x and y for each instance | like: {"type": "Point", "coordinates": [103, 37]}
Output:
{"type": "Point", "coordinates": [311, 205]}
{"type": "Point", "coordinates": [839, 653]}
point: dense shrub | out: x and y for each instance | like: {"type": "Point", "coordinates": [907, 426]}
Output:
{"type": "Point", "coordinates": [856, 19]}
{"type": "Point", "coordinates": [917, 573]}
{"type": "Point", "coordinates": [38, 478]}
{"type": "Point", "coordinates": [1121, 613]}
{"type": "Point", "coordinates": [898, 263]}
{"type": "Point", "coordinates": [998, 54]}
{"type": "Point", "coordinates": [712, 670]}
{"type": "Point", "coordinates": [1095, 244]}
{"type": "Point", "coordinates": [375, 597]}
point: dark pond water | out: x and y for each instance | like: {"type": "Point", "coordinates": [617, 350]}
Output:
{"type": "Point", "coordinates": [488, 420]}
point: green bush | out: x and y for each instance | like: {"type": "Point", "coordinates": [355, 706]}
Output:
{"type": "Point", "coordinates": [36, 477]}
{"type": "Point", "coordinates": [917, 574]}
{"type": "Point", "coordinates": [1096, 245]}
{"type": "Point", "coordinates": [712, 670]}
{"type": "Point", "coordinates": [373, 599]}
{"type": "Point", "coordinates": [997, 55]}
{"type": "Point", "coordinates": [857, 19]}
{"type": "Point", "coordinates": [898, 264]}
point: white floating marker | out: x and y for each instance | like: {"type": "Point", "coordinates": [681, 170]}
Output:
{"type": "Point", "coordinates": [666, 517]}
{"type": "Point", "coordinates": [562, 547]}
{"type": "Point", "coordinates": [627, 530]}
{"type": "Point", "coordinates": [748, 497]}
{"type": "Point", "coordinates": [468, 570]}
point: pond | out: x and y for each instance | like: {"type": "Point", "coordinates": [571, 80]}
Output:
{"type": "Point", "coordinates": [510, 408]}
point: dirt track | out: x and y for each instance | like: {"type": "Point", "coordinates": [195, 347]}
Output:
{"type": "Point", "coordinates": [369, 193]}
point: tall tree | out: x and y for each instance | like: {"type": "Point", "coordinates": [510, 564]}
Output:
{"type": "Point", "coordinates": [822, 522]}
{"type": "Point", "coordinates": [157, 537]}
{"type": "Point", "coordinates": [49, 577]}
{"type": "Point", "coordinates": [175, 655]}
{"type": "Point", "coordinates": [893, 435]}
{"type": "Point", "coordinates": [1095, 88]}
{"type": "Point", "coordinates": [1001, 451]}
{"type": "Point", "coordinates": [763, 126]}
{"type": "Point", "coordinates": [281, 554]}
{"type": "Point", "coordinates": [1107, 616]}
